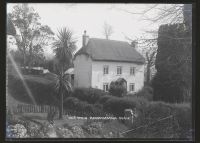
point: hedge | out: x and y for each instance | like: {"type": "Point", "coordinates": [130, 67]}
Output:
{"type": "Point", "coordinates": [117, 105]}
{"type": "Point", "coordinates": [40, 88]}
{"type": "Point", "coordinates": [91, 95]}
{"type": "Point", "coordinates": [162, 120]}
{"type": "Point", "coordinates": [84, 108]}
{"type": "Point", "coordinates": [146, 92]}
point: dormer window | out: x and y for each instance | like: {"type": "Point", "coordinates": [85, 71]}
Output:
{"type": "Point", "coordinates": [119, 70]}
{"type": "Point", "coordinates": [105, 69]}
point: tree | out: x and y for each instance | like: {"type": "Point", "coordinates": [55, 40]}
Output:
{"type": "Point", "coordinates": [170, 13]}
{"type": "Point", "coordinates": [107, 30]}
{"type": "Point", "coordinates": [162, 13]}
{"type": "Point", "coordinates": [173, 79]}
{"type": "Point", "coordinates": [147, 48]}
{"type": "Point", "coordinates": [118, 88]}
{"type": "Point", "coordinates": [31, 34]}
{"type": "Point", "coordinates": [10, 27]}
{"type": "Point", "coordinates": [64, 47]}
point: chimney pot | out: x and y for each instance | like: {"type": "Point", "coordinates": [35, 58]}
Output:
{"type": "Point", "coordinates": [85, 39]}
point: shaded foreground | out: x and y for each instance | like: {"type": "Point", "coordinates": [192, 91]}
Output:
{"type": "Point", "coordinates": [155, 119]}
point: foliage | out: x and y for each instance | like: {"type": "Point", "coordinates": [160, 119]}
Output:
{"type": "Point", "coordinates": [62, 87]}
{"type": "Point", "coordinates": [173, 63]}
{"type": "Point", "coordinates": [116, 105]}
{"type": "Point", "coordinates": [32, 35]}
{"type": "Point", "coordinates": [118, 88]}
{"type": "Point", "coordinates": [50, 65]}
{"type": "Point", "coordinates": [62, 84]}
{"type": "Point", "coordinates": [40, 88]}
{"type": "Point", "coordinates": [94, 128]}
{"type": "Point", "coordinates": [83, 107]}
{"type": "Point", "coordinates": [104, 98]}
{"type": "Point", "coordinates": [16, 131]}
{"type": "Point", "coordinates": [146, 92]}
{"type": "Point", "coordinates": [16, 56]}
{"type": "Point", "coordinates": [161, 120]}
{"type": "Point", "coordinates": [91, 95]}
{"type": "Point", "coordinates": [10, 27]}
{"type": "Point", "coordinates": [64, 47]}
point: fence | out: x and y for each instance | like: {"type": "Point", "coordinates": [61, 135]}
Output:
{"type": "Point", "coordinates": [23, 108]}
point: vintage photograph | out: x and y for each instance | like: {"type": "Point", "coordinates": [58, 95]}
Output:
{"type": "Point", "coordinates": [88, 70]}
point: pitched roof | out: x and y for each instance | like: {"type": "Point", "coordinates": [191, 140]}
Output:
{"type": "Point", "coordinates": [111, 50]}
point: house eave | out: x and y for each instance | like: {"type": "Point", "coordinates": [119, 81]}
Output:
{"type": "Point", "coordinates": [123, 61]}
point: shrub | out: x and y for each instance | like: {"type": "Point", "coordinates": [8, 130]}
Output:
{"type": "Point", "coordinates": [183, 116]}
{"type": "Point", "coordinates": [84, 107]}
{"type": "Point", "coordinates": [146, 92]}
{"type": "Point", "coordinates": [117, 89]}
{"type": "Point", "coordinates": [91, 95]}
{"type": "Point", "coordinates": [40, 88]}
{"type": "Point", "coordinates": [71, 102]}
{"type": "Point", "coordinates": [164, 121]}
{"type": "Point", "coordinates": [118, 105]}
{"type": "Point", "coordinates": [104, 98]}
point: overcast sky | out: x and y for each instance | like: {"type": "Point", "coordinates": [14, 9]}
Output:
{"type": "Point", "coordinates": [91, 17]}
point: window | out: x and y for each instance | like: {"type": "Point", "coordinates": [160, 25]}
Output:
{"type": "Point", "coordinates": [105, 87]}
{"type": "Point", "coordinates": [132, 70]}
{"type": "Point", "coordinates": [119, 70]}
{"type": "Point", "coordinates": [105, 70]}
{"type": "Point", "coordinates": [132, 87]}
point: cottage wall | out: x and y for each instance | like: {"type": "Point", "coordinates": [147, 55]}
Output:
{"type": "Point", "coordinates": [82, 71]}
{"type": "Point", "coordinates": [98, 78]}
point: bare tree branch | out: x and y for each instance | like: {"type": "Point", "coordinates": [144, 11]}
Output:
{"type": "Point", "coordinates": [107, 30]}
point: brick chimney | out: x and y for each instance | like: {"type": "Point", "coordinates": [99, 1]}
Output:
{"type": "Point", "coordinates": [85, 39]}
{"type": "Point", "coordinates": [134, 44]}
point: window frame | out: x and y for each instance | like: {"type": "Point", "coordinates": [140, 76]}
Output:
{"type": "Point", "coordinates": [104, 85]}
{"type": "Point", "coordinates": [130, 87]}
{"type": "Point", "coordinates": [132, 70]}
{"type": "Point", "coordinates": [119, 67]}
{"type": "Point", "coordinates": [105, 69]}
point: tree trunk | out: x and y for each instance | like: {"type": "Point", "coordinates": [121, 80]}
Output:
{"type": "Point", "coordinates": [24, 60]}
{"type": "Point", "coordinates": [61, 107]}
{"type": "Point", "coordinates": [148, 73]}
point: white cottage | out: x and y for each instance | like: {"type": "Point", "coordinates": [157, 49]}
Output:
{"type": "Point", "coordinates": [101, 61]}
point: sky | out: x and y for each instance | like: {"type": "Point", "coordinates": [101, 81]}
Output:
{"type": "Point", "coordinates": [91, 17]}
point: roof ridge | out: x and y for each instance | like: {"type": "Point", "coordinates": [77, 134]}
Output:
{"type": "Point", "coordinates": [108, 40]}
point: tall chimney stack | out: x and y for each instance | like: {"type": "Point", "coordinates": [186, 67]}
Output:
{"type": "Point", "coordinates": [85, 39]}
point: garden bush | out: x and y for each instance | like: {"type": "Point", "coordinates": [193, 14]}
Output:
{"type": "Point", "coordinates": [117, 105]}
{"type": "Point", "coordinates": [91, 95]}
{"type": "Point", "coordinates": [104, 98]}
{"type": "Point", "coordinates": [117, 88]}
{"type": "Point", "coordinates": [84, 107]}
{"type": "Point", "coordinates": [146, 92]}
{"type": "Point", "coordinates": [163, 120]}
{"type": "Point", "coordinates": [183, 116]}
{"type": "Point", "coordinates": [40, 88]}
{"type": "Point", "coordinates": [71, 102]}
